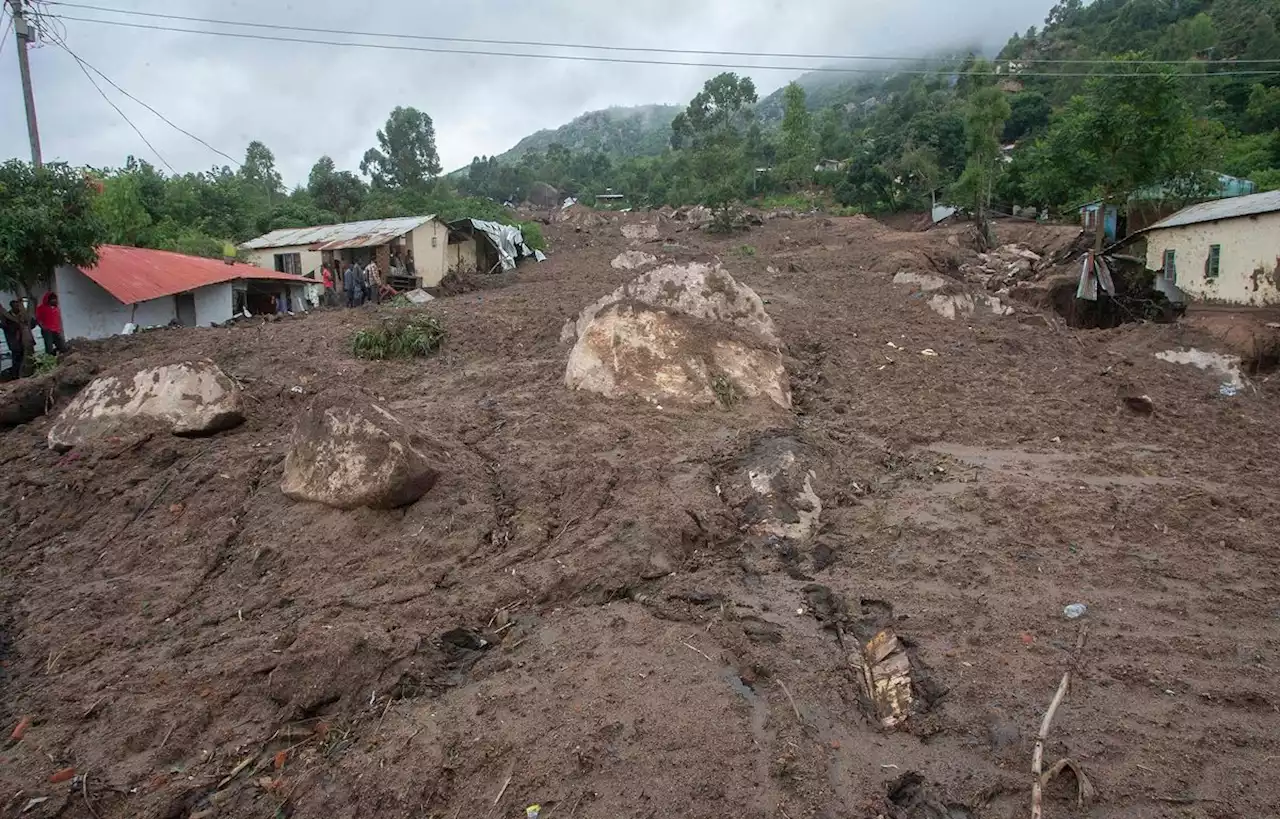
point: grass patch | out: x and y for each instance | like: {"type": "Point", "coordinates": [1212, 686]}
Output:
{"type": "Point", "coordinates": [400, 337]}
{"type": "Point", "coordinates": [746, 250]}
{"type": "Point", "coordinates": [42, 363]}
{"type": "Point", "coordinates": [725, 390]}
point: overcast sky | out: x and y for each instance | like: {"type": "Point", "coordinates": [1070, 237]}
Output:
{"type": "Point", "coordinates": [306, 100]}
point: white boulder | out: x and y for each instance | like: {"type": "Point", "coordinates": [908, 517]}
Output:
{"type": "Point", "coordinates": [633, 260]}
{"type": "Point", "coordinates": [687, 333]}
{"type": "Point", "coordinates": [190, 398]}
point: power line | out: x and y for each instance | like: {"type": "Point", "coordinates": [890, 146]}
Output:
{"type": "Point", "coordinates": [626, 60]}
{"type": "Point", "coordinates": [111, 102]}
{"type": "Point", "coordinates": [595, 47]}
{"type": "Point", "coordinates": [4, 38]}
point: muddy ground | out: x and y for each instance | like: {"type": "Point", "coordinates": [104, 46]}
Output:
{"type": "Point", "coordinates": [582, 614]}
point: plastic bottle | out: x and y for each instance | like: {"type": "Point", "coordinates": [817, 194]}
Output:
{"type": "Point", "coordinates": [1074, 611]}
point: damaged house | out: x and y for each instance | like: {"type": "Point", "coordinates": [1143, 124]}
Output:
{"type": "Point", "coordinates": [477, 246]}
{"type": "Point", "coordinates": [1225, 252]}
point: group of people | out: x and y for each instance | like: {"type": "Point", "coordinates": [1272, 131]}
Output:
{"type": "Point", "coordinates": [358, 284]}
{"type": "Point", "coordinates": [18, 326]}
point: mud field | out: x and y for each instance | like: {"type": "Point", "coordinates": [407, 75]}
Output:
{"type": "Point", "coordinates": [585, 613]}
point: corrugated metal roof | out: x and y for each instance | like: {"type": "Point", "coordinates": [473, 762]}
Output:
{"type": "Point", "coordinates": [135, 274]}
{"type": "Point", "coordinates": [1233, 208]}
{"type": "Point", "coordinates": [334, 237]}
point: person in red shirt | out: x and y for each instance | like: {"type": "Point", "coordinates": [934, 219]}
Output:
{"type": "Point", "coordinates": [49, 317]}
{"type": "Point", "coordinates": [326, 276]}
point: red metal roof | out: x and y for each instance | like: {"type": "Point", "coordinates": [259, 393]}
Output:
{"type": "Point", "coordinates": [134, 274]}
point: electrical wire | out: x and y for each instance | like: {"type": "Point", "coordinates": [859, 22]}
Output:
{"type": "Point", "coordinates": [4, 38]}
{"type": "Point", "coordinates": [631, 60]}
{"type": "Point", "coordinates": [594, 47]}
{"type": "Point", "coordinates": [111, 102]}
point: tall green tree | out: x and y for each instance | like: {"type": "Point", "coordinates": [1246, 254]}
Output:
{"type": "Point", "coordinates": [798, 151]}
{"type": "Point", "coordinates": [259, 171]}
{"type": "Point", "coordinates": [406, 156]}
{"type": "Point", "coordinates": [47, 219]}
{"type": "Point", "coordinates": [1129, 129]}
{"type": "Point", "coordinates": [714, 128]}
{"type": "Point", "coordinates": [985, 116]}
{"type": "Point", "coordinates": [339, 192]}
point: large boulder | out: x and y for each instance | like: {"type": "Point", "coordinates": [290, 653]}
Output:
{"type": "Point", "coordinates": [633, 260]}
{"type": "Point", "coordinates": [357, 455]}
{"type": "Point", "coordinates": [191, 398]}
{"type": "Point", "coordinates": [687, 333]}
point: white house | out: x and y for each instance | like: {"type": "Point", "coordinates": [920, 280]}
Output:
{"type": "Point", "coordinates": [1221, 252]}
{"type": "Point", "coordinates": [133, 285]}
{"type": "Point", "coordinates": [420, 242]}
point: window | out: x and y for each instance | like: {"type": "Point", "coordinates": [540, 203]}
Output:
{"type": "Point", "coordinates": [289, 263]}
{"type": "Point", "coordinates": [1214, 262]}
{"type": "Point", "coordinates": [1170, 267]}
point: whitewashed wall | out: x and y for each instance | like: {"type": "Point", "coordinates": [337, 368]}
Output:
{"type": "Point", "coordinates": [1249, 267]}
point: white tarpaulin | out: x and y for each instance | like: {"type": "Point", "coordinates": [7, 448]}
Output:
{"type": "Point", "coordinates": [507, 239]}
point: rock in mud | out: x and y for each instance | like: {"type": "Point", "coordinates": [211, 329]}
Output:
{"type": "Point", "coordinates": [642, 232]}
{"type": "Point", "coordinates": [190, 398]}
{"type": "Point", "coordinates": [357, 455]}
{"type": "Point", "coordinates": [774, 487]}
{"type": "Point", "coordinates": [963, 305]}
{"type": "Point", "coordinates": [633, 260]}
{"type": "Point", "coordinates": [687, 333]}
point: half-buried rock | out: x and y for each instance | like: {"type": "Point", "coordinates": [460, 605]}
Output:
{"type": "Point", "coordinates": [189, 398]}
{"type": "Point", "coordinates": [685, 333]}
{"type": "Point", "coordinates": [357, 455]}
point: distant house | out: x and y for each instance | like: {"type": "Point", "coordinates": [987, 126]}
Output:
{"type": "Point", "coordinates": [831, 166]}
{"type": "Point", "coordinates": [420, 243]}
{"type": "Point", "coordinates": [1223, 252]}
{"type": "Point", "coordinates": [153, 288]}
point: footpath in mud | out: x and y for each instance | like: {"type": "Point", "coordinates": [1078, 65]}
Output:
{"type": "Point", "coordinates": [785, 527]}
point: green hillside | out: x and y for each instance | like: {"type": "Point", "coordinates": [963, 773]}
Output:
{"type": "Point", "coordinates": [643, 130]}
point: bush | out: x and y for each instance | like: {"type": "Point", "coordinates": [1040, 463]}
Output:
{"type": "Point", "coordinates": [533, 235]}
{"type": "Point", "coordinates": [399, 337]}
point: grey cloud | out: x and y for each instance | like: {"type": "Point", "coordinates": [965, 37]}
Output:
{"type": "Point", "coordinates": [305, 100]}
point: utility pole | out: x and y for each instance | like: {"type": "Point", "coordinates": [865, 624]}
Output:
{"type": "Point", "coordinates": [22, 33]}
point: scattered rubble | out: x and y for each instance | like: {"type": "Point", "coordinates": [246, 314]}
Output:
{"type": "Point", "coordinates": [356, 454]}
{"type": "Point", "coordinates": [688, 333]}
{"type": "Point", "coordinates": [189, 398]}
{"type": "Point", "coordinates": [965, 305]}
{"type": "Point", "coordinates": [419, 296]}
{"type": "Point", "coordinates": [633, 260]}
{"type": "Point", "coordinates": [640, 232]}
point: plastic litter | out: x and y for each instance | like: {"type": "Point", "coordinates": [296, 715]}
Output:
{"type": "Point", "coordinates": [1074, 611]}
{"type": "Point", "coordinates": [1228, 390]}
{"type": "Point", "coordinates": [532, 811]}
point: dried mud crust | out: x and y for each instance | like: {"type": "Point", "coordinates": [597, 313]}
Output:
{"type": "Point", "coordinates": [578, 614]}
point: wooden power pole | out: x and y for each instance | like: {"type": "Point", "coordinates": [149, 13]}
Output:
{"type": "Point", "coordinates": [22, 34]}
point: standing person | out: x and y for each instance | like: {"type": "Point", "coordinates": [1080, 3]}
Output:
{"type": "Point", "coordinates": [326, 277]}
{"type": "Point", "coordinates": [350, 284]}
{"type": "Point", "coordinates": [17, 336]}
{"type": "Point", "coordinates": [49, 317]}
{"type": "Point", "coordinates": [373, 281]}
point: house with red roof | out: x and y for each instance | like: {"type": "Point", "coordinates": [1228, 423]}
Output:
{"type": "Point", "coordinates": [154, 288]}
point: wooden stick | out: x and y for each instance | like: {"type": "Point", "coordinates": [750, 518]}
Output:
{"type": "Point", "coordinates": [695, 648]}
{"type": "Point", "coordinates": [791, 700]}
{"type": "Point", "coordinates": [84, 791]}
{"type": "Point", "coordinates": [1037, 758]}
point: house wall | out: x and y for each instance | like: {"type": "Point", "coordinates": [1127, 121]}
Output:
{"type": "Point", "coordinates": [1249, 265]}
{"type": "Point", "coordinates": [88, 311]}
{"type": "Point", "coordinates": [266, 258]}
{"type": "Point", "coordinates": [462, 256]}
{"type": "Point", "coordinates": [430, 262]}
{"type": "Point", "coordinates": [213, 304]}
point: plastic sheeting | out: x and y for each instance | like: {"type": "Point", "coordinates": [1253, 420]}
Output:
{"type": "Point", "coordinates": [508, 240]}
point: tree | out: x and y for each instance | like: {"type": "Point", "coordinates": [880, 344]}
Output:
{"type": "Point", "coordinates": [1264, 44]}
{"type": "Point", "coordinates": [1029, 112]}
{"type": "Point", "coordinates": [259, 170]}
{"type": "Point", "coordinates": [721, 110]}
{"type": "Point", "coordinates": [125, 219]}
{"type": "Point", "coordinates": [47, 219]}
{"type": "Point", "coordinates": [339, 192]}
{"type": "Point", "coordinates": [1264, 109]}
{"type": "Point", "coordinates": [798, 151]}
{"type": "Point", "coordinates": [406, 156]}
{"type": "Point", "coordinates": [985, 117]}
{"type": "Point", "coordinates": [1101, 144]}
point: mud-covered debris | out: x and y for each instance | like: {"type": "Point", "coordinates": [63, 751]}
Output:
{"type": "Point", "coordinates": [188, 398]}
{"type": "Point", "coordinates": [887, 683]}
{"type": "Point", "coordinates": [349, 455]}
{"type": "Point", "coordinates": [419, 296]}
{"type": "Point", "coordinates": [1136, 400]}
{"type": "Point", "coordinates": [911, 797]}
